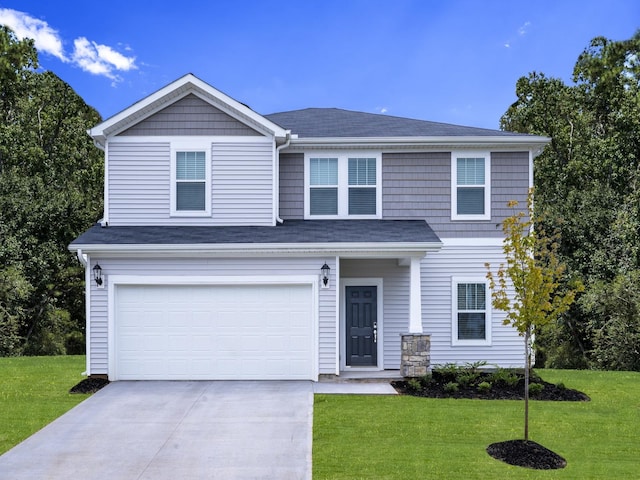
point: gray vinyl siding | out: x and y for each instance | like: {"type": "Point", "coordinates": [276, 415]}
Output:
{"type": "Point", "coordinates": [418, 186]}
{"type": "Point", "coordinates": [138, 183]}
{"type": "Point", "coordinates": [190, 116]}
{"type": "Point", "coordinates": [507, 347]}
{"type": "Point", "coordinates": [395, 288]}
{"type": "Point", "coordinates": [242, 185]}
{"type": "Point", "coordinates": [156, 267]}
{"type": "Point", "coordinates": [139, 176]}
{"type": "Point", "coordinates": [510, 181]}
{"type": "Point", "coordinates": [292, 186]}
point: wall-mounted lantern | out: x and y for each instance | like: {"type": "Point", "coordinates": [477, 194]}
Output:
{"type": "Point", "coordinates": [97, 275]}
{"type": "Point", "coordinates": [325, 270]}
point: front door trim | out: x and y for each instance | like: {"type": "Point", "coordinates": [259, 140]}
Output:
{"type": "Point", "coordinates": [361, 282]}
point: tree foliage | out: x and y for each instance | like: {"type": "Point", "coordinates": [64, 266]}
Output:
{"type": "Point", "coordinates": [528, 286]}
{"type": "Point", "coordinates": [50, 191]}
{"type": "Point", "coordinates": [587, 181]}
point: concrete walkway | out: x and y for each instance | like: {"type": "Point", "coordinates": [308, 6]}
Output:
{"type": "Point", "coordinates": [181, 430]}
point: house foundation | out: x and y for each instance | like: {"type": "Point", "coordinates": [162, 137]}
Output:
{"type": "Point", "coordinates": [416, 355]}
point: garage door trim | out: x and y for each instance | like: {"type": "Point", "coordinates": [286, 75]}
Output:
{"type": "Point", "coordinates": [114, 281]}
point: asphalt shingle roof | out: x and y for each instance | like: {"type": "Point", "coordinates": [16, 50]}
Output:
{"type": "Point", "coordinates": [291, 231]}
{"type": "Point", "coordinates": [335, 123]}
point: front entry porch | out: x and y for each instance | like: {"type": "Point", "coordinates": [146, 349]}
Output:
{"type": "Point", "coordinates": [379, 303]}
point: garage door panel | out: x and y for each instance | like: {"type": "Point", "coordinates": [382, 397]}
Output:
{"type": "Point", "coordinates": [214, 332]}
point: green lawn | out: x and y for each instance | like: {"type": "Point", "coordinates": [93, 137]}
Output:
{"type": "Point", "coordinates": [370, 437]}
{"type": "Point", "coordinates": [33, 392]}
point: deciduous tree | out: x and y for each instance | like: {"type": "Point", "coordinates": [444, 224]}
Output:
{"type": "Point", "coordinates": [528, 286]}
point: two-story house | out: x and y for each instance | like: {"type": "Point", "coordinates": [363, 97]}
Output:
{"type": "Point", "coordinates": [236, 245]}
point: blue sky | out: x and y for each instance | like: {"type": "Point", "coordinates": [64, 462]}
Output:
{"type": "Point", "coordinates": [447, 61]}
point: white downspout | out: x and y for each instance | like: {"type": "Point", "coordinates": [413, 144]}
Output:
{"type": "Point", "coordinates": [86, 262]}
{"type": "Point", "coordinates": [276, 182]}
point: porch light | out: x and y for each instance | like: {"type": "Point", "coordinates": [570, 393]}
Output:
{"type": "Point", "coordinates": [325, 270]}
{"type": "Point", "coordinates": [97, 274]}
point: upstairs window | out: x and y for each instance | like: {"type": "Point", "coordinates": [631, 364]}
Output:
{"type": "Point", "coordinates": [342, 186]}
{"type": "Point", "coordinates": [471, 315]}
{"type": "Point", "coordinates": [471, 194]}
{"type": "Point", "coordinates": [323, 183]}
{"type": "Point", "coordinates": [190, 181]}
{"type": "Point", "coordinates": [362, 186]}
{"type": "Point", "coordinates": [191, 185]}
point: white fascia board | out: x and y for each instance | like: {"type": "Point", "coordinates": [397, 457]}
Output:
{"type": "Point", "coordinates": [183, 86]}
{"type": "Point", "coordinates": [374, 250]}
{"type": "Point", "coordinates": [473, 242]}
{"type": "Point", "coordinates": [532, 142]}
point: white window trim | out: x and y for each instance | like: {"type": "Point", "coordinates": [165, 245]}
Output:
{"type": "Point", "coordinates": [343, 183]}
{"type": "Point", "coordinates": [454, 312]}
{"type": "Point", "coordinates": [191, 146]}
{"type": "Point", "coordinates": [454, 184]}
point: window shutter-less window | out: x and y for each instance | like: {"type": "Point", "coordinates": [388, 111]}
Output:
{"type": "Point", "coordinates": [323, 182]}
{"type": "Point", "coordinates": [362, 186]}
{"type": "Point", "coordinates": [471, 311]}
{"type": "Point", "coordinates": [190, 181]}
{"type": "Point", "coordinates": [471, 185]}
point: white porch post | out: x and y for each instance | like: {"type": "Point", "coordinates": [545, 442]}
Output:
{"type": "Point", "coordinates": [415, 297]}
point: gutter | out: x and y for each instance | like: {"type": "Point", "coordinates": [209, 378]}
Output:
{"type": "Point", "coordinates": [524, 141]}
{"type": "Point", "coordinates": [265, 249]}
{"type": "Point", "coordinates": [276, 180]}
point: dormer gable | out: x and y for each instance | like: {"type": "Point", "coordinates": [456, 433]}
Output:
{"type": "Point", "coordinates": [216, 108]}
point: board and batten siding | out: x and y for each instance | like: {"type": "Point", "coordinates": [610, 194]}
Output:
{"type": "Point", "coordinates": [507, 347]}
{"type": "Point", "coordinates": [139, 183]}
{"type": "Point", "coordinates": [395, 291]}
{"type": "Point", "coordinates": [155, 267]}
{"type": "Point", "coordinates": [190, 115]}
{"type": "Point", "coordinates": [418, 186]}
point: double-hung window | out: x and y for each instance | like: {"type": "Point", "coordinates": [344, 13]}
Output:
{"type": "Point", "coordinates": [471, 312]}
{"type": "Point", "coordinates": [191, 187]}
{"type": "Point", "coordinates": [470, 186]}
{"type": "Point", "coordinates": [323, 186]}
{"type": "Point", "coordinates": [342, 186]}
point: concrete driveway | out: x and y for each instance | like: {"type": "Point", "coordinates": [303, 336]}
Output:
{"type": "Point", "coordinates": [175, 430]}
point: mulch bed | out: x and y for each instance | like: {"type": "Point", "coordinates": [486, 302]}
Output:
{"type": "Point", "coordinates": [523, 453]}
{"type": "Point", "coordinates": [89, 385]}
{"type": "Point", "coordinates": [437, 389]}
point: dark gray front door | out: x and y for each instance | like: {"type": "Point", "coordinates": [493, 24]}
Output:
{"type": "Point", "coordinates": [362, 324]}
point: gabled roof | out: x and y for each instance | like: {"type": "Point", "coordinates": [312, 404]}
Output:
{"type": "Point", "coordinates": [334, 125]}
{"type": "Point", "coordinates": [188, 84]}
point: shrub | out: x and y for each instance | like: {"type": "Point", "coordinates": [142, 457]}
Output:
{"type": "Point", "coordinates": [414, 384]}
{"type": "Point", "coordinates": [426, 380]}
{"type": "Point", "coordinates": [505, 376]}
{"type": "Point", "coordinates": [446, 373]}
{"type": "Point", "coordinates": [535, 389]}
{"type": "Point", "coordinates": [484, 387]}
{"type": "Point", "coordinates": [451, 387]}
{"type": "Point", "coordinates": [467, 377]}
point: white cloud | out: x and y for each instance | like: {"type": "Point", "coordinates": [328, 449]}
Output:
{"type": "Point", "coordinates": [90, 56]}
{"type": "Point", "coordinates": [46, 39]}
{"type": "Point", "coordinates": [524, 29]}
{"type": "Point", "coordinates": [100, 59]}
{"type": "Point", "coordinates": [521, 32]}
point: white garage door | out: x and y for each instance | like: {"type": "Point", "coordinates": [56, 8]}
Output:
{"type": "Point", "coordinates": [214, 332]}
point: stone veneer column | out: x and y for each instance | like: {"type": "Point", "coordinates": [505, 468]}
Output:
{"type": "Point", "coordinates": [416, 355]}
